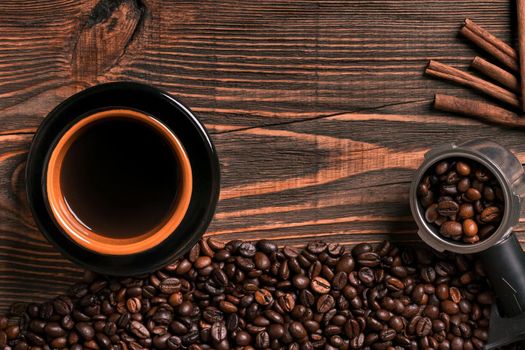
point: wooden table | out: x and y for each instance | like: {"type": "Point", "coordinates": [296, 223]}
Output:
{"type": "Point", "coordinates": [319, 109]}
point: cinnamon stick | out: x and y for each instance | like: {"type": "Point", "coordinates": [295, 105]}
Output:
{"type": "Point", "coordinates": [488, 42]}
{"type": "Point", "coordinates": [500, 75]}
{"type": "Point", "coordinates": [447, 72]}
{"type": "Point", "coordinates": [478, 109]}
{"type": "Point", "coordinates": [500, 44]}
{"type": "Point", "coordinates": [521, 44]}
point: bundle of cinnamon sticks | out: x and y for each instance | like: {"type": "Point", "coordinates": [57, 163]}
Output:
{"type": "Point", "coordinates": [507, 83]}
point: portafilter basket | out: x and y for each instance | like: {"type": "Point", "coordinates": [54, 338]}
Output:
{"type": "Point", "coordinates": [501, 254]}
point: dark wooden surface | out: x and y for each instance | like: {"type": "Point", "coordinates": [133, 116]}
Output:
{"type": "Point", "coordinates": [319, 109]}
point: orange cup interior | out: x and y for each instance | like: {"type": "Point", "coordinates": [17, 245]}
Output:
{"type": "Point", "coordinates": [97, 241]}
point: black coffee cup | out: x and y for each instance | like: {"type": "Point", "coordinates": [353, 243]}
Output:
{"type": "Point", "coordinates": [122, 178]}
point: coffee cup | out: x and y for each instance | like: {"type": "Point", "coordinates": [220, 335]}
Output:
{"type": "Point", "coordinates": [122, 178]}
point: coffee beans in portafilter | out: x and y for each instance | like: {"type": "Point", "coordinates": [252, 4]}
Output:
{"type": "Point", "coordinates": [243, 295]}
{"type": "Point", "coordinates": [462, 199]}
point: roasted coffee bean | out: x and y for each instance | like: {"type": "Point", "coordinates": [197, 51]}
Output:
{"type": "Point", "coordinates": [368, 259]}
{"type": "Point", "coordinates": [463, 184]}
{"type": "Point", "coordinates": [441, 167]}
{"type": "Point", "coordinates": [339, 280]}
{"type": "Point", "coordinates": [276, 331]}
{"type": "Point", "coordinates": [262, 340]}
{"type": "Point", "coordinates": [54, 330]}
{"type": "Point", "coordinates": [346, 264]}
{"type": "Point", "coordinates": [447, 208]}
{"type": "Point", "coordinates": [139, 330]}
{"type": "Point", "coordinates": [431, 213]}
{"type": "Point", "coordinates": [451, 229]}
{"type": "Point", "coordinates": [469, 200]}
{"type": "Point", "coordinates": [257, 296]}
{"type": "Point", "coordinates": [218, 332]}
{"type": "Point", "coordinates": [470, 228]}
{"type": "Point", "coordinates": [263, 297]}
{"type": "Point", "coordinates": [297, 330]}
{"type": "Point", "coordinates": [449, 307]}
{"type": "Point", "coordinates": [423, 326]}
{"type": "Point", "coordinates": [320, 285]}
{"type": "Point", "coordinates": [490, 214]}
{"type": "Point", "coordinates": [85, 330]}
{"type": "Point", "coordinates": [325, 303]}
{"type": "Point", "coordinates": [463, 168]}
{"type": "Point", "coordinates": [170, 285]}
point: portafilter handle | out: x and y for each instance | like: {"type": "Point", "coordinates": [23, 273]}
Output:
{"type": "Point", "coordinates": [504, 264]}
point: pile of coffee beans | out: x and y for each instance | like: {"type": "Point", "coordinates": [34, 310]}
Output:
{"type": "Point", "coordinates": [462, 199]}
{"type": "Point", "coordinates": [243, 295]}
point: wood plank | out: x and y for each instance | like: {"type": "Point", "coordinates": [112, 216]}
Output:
{"type": "Point", "coordinates": [319, 109]}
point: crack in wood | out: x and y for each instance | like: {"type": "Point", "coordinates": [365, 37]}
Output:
{"type": "Point", "coordinates": [302, 120]}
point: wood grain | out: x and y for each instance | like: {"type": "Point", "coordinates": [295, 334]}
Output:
{"type": "Point", "coordinates": [319, 109]}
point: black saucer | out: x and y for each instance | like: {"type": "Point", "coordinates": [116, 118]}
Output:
{"type": "Point", "coordinates": [192, 134]}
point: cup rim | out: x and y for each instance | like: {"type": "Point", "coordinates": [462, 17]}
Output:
{"type": "Point", "coordinates": [96, 241]}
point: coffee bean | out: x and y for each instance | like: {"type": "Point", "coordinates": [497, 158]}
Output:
{"type": "Point", "coordinates": [290, 252]}
{"type": "Point", "coordinates": [441, 167]}
{"type": "Point", "coordinates": [368, 259]}
{"type": "Point", "coordinates": [423, 326]}
{"type": "Point", "coordinates": [345, 264]}
{"type": "Point", "coordinates": [202, 262]}
{"type": "Point", "coordinates": [133, 305]}
{"type": "Point", "coordinates": [366, 275]}
{"type": "Point", "coordinates": [63, 305]}
{"type": "Point", "coordinates": [185, 309]}
{"type": "Point", "coordinates": [339, 280]}
{"type": "Point", "coordinates": [300, 281]}
{"type": "Point", "coordinates": [262, 340]}
{"type": "Point", "coordinates": [473, 194]}
{"type": "Point", "coordinates": [276, 331]}
{"type": "Point", "coordinates": [451, 229]}
{"type": "Point", "coordinates": [463, 168]}
{"type": "Point", "coordinates": [447, 208]}
{"type": "Point", "coordinates": [397, 323]}
{"type": "Point", "coordinates": [455, 295]}
{"type": "Point", "coordinates": [357, 342]}
{"type": "Point", "coordinates": [266, 246]}
{"type": "Point", "coordinates": [394, 284]}
{"type": "Point", "coordinates": [449, 307]}
{"type": "Point", "coordinates": [184, 267]}
{"type": "Point", "coordinates": [218, 332]}
{"type": "Point", "coordinates": [262, 262]}
{"type": "Point", "coordinates": [263, 297]}
{"type": "Point", "coordinates": [320, 285]}
{"type": "Point", "coordinates": [247, 249]}
{"type": "Point", "coordinates": [325, 303]}
{"type": "Point", "coordinates": [85, 330]}
{"type": "Point", "coordinates": [463, 184]}
{"type": "Point", "coordinates": [466, 189]}
{"type": "Point", "coordinates": [139, 330]}
{"type": "Point", "coordinates": [243, 338]}
{"type": "Point", "coordinates": [470, 228]}
{"type": "Point", "coordinates": [54, 330]}
{"type": "Point", "coordinates": [294, 299]}
{"type": "Point", "coordinates": [316, 247]}
{"type": "Point", "coordinates": [286, 302]}
{"type": "Point", "coordinates": [297, 330]}
{"type": "Point", "coordinates": [387, 334]}
{"type": "Point", "coordinates": [490, 214]}
{"type": "Point", "coordinates": [170, 285]}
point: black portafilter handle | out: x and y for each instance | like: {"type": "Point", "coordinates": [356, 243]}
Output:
{"type": "Point", "coordinates": [504, 264]}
